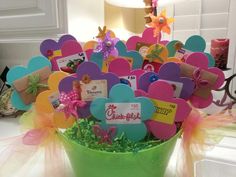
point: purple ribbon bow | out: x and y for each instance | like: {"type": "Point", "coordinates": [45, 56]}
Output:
{"type": "Point", "coordinates": [105, 136]}
{"type": "Point", "coordinates": [199, 82]}
{"type": "Point", "coordinates": [107, 46]}
{"type": "Point", "coordinates": [70, 103]}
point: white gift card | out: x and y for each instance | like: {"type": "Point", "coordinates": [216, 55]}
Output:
{"type": "Point", "coordinates": [177, 86]}
{"type": "Point", "coordinates": [123, 113]}
{"type": "Point", "coordinates": [181, 53]}
{"type": "Point", "coordinates": [130, 81]}
{"type": "Point", "coordinates": [73, 59]}
{"type": "Point", "coordinates": [93, 89]}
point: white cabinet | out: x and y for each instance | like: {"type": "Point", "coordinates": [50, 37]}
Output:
{"type": "Point", "coordinates": [29, 18]}
{"type": "Point", "coordinates": [35, 20]}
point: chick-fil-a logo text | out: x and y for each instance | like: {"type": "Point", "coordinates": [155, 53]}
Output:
{"type": "Point", "coordinates": [123, 113]}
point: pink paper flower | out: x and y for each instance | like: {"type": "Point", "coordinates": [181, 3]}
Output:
{"type": "Point", "coordinates": [162, 91]}
{"type": "Point", "coordinates": [200, 63]}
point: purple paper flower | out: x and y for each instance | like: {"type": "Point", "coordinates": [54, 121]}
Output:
{"type": "Point", "coordinates": [48, 46]}
{"type": "Point", "coordinates": [169, 72]}
{"type": "Point", "coordinates": [92, 70]}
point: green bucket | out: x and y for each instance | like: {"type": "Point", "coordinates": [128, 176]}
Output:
{"type": "Point", "coordinates": [146, 163]}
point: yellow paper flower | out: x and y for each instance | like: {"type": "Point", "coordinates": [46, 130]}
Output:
{"type": "Point", "coordinates": [44, 104]}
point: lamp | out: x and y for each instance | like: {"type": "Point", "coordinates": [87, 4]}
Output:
{"type": "Point", "coordinates": [140, 3]}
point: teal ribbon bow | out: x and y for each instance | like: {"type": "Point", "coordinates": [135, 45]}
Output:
{"type": "Point", "coordinates": [155, 54]}
{"type": "Point", "coordinates": [34, 85]}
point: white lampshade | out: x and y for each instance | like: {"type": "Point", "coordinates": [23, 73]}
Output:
{"type": "Point", "coordinates": [139, 3]}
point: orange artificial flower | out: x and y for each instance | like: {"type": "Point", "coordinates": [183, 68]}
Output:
{"type": "Point", "coordinates": [160, 23]}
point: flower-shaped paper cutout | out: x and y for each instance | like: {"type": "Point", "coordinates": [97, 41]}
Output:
{"type": "Point", "coordinates": [43, 104]}
{"type": "Point", "coordinates": [121, 67]}
{"type": "Point", "coordinates": [123, 52]}
{"type": "Point", "coordinates": [147, 38]}
{"type": "Point", "coordinates": [136, 58]}
{"type": "Point", "coordinates": [169, 72]}
{"type": "Point", "coordinates": [160, 23]}
{"type": "Point", "coordinates": [194, 43]}
{"type": "Point", "coordinates": [70, 48]}
{"type": "Point", "coordinates": [18, 72]}
{"type": "Point", "coordinates": [161, 90]}
{"type": "Point", "coordinates": [93, 71]}
{"type": "Point", "coordinates": [121, 93]}
{"type": "Point", "coordinates": [200, 60]}
{"type": "Point", "coordinates": [49, 47]}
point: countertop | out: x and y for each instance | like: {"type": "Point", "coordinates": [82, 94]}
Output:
{"type": "Point", "coordinates": [10, 127]}
{"type": "Point", "coordinates": [219, 161]}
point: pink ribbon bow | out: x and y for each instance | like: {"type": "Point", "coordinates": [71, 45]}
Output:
{"type": "Point", "coordinates": [70, 103]}
{"type": "Point", "coordinates": [199, 82]}
{"type": "Point", "coordinates": [105, 136]}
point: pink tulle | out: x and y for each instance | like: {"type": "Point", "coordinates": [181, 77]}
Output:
{"type": "Point", "coordinates": [195, 138]}
{"type": "Point", "coordinates": [21, 154]}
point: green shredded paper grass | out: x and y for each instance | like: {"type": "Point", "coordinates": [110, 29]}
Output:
{"type": "Point", "coordinates": [82, 132]}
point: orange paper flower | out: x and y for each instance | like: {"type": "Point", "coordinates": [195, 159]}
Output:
{"type": "Point", "coordinates": [160, 23]}
{"type": "Point", "coordinates": [86, 79]}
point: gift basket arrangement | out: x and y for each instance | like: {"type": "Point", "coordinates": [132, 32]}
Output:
{"type": "Point", "coordinates": [117, 108]}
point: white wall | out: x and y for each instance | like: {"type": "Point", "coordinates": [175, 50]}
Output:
{"type": "Point", "coordinates": [17, 53]}
{"type": "Point", "coordinates": [84, 17]}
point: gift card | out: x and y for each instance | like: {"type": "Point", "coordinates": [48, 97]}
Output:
{"type": "Point", "coordinates": [123, 113]}
{"type": "Point", "coordinates": [93, 89]}
{"type": "Point", "coordinates": [182, 53]}
{"type": "Point", "coordinates": [165, 111]}
{"type": "Point", "coordinates": [70, 63]}
{"type": "Point", "coordinates": [130, 81]}
{"type": "Point", "coordinates": [71, 56]}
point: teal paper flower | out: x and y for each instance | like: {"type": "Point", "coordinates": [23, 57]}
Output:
{"type": "Point", "coordinates": [194, 43]}
{"type": "Point", "coordinates": [18, 72]}
{"type": "Point", "coordinates": [135, 129]}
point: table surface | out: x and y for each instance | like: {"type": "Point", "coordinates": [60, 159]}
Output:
{"type": "Point", "coordinates": [10, 127]}
{"type": "Point", "coordinates": [222, 156]}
